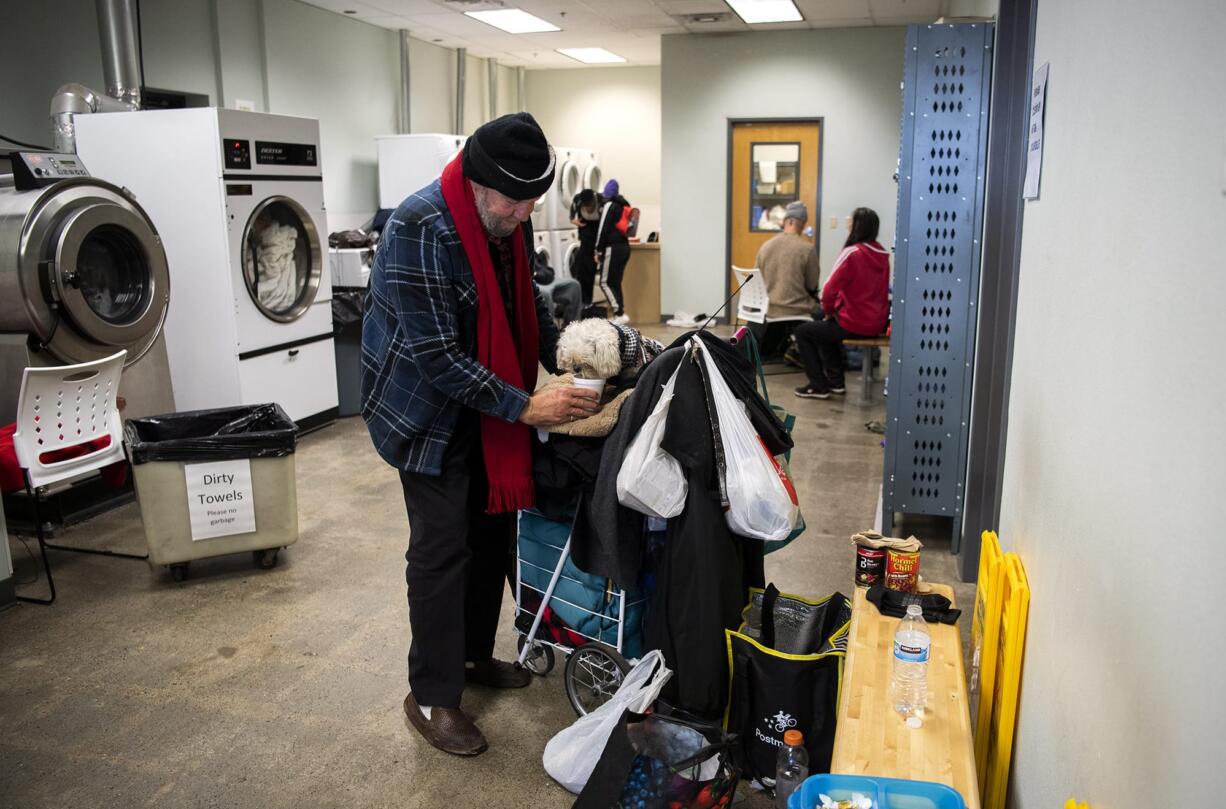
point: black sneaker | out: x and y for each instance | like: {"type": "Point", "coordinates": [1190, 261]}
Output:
{"type": "Point", "coordinates": [838, 389]}
{"type": "Point", "coordinates": [810, 392]}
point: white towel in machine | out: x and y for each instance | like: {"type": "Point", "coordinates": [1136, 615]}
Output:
{"type": "Point", "coordinates": [277, 281]}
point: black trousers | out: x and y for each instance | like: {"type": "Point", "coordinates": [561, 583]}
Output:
{"type": "Point", "coordinates": [584, 271]}
{"type": "Point", "coordinates": [612, 270]}
{"type": "Point", "coordinates": [457, 564]}
{"type": "Point", "coordinates": [820, 343]}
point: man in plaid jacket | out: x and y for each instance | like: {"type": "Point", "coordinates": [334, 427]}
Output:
{"type": "Point", "coordinates": [451, 338]}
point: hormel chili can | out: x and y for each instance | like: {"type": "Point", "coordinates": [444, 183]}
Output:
{"type": "Point", "coordinates": [902, 570]}
{"type": "Point", "coordinates": [870, 564]}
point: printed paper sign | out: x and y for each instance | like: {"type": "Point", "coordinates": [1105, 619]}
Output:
{"type": "Point", "coordinates": [1034, 138]}
{"type": "Point", "coordinates": [219, 498]}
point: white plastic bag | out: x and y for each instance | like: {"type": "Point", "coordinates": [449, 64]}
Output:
{"type": "Point", "coordinates": [760, 504]}
{"type": "Point", "coordinates": [650, 481]}
{"type": "Point", "coordinates": [571, 755]}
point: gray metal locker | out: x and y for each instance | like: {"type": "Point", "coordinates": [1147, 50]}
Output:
{"type": "Point", "coordinates": [942, 157]}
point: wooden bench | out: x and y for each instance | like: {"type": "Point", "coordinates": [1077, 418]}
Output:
{"type": "Point", "coordinates": [872, 739]}
{"type": "Point", "coordinates": [866, 367]}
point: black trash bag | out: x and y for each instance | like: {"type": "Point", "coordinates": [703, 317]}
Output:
{"type": "Point", "coordinates": [347, 308]}
{"type": "Point", "coordinates": [227, 433]}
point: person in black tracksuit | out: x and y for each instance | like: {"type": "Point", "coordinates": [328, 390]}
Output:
{"type": "Point", "coordinates": [612, 248]}
{"type": "Point", "coordinates": [585, 215]}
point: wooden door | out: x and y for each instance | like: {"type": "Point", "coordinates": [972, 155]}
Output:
{"type": "Point", "coordinates": [773, 163]}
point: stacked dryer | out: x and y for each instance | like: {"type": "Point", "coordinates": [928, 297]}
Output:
{"type": "Point", "coordinates": [575, 170]}
{"type": "Point", "coordinates": [238, 200]}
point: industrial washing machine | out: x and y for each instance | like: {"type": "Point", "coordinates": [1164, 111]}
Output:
{"type": "Point", "coordinates": [238, 199]}
{"type": "Point", "coordinates": [565, 244]}
{"type": "Point", "coordinates": [544, 247]}
{"type": "Point", "coordinates": [567, 181]}
{"type": "Point", "coordinates": [83, 274]}
{"type": "Point", "coordinates": [589, 169]}
{"type": "Point", "coordinates": [409, 163]}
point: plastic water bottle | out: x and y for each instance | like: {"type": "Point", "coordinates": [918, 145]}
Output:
{"type": "Point", "coordinates": [912, 643]}
{"type": "Point", "coordinates": [791, 768]}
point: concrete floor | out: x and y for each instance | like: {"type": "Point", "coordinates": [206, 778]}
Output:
{"type": "Point", "coordinates": [283, 688]}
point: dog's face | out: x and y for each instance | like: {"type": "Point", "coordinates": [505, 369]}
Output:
{"type": "Point", "coordinates": [590, 349]}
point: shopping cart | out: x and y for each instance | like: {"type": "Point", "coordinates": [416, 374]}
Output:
{"type": "Point", "coordinates": [589, 619]}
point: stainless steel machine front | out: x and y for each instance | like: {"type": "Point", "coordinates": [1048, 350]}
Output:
{"type": "Point", "coordinates": [82, 275]}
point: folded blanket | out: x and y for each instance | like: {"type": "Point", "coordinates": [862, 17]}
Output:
{"type": "Point", "coordinates": [597, 425]}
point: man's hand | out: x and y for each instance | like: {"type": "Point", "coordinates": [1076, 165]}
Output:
{"type": "Point", "coordinates": [559, 406]}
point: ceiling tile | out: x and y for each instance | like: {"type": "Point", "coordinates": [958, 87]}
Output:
{"type": "Point", "coordinates": [819, 10]}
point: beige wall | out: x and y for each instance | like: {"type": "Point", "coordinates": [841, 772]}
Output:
{"type": "Point", "coordinates": [848, 77]}
{"type": "Point", "coordinates": [615, 111]}
{"type": "Point", "coordinates": [1115, 448]}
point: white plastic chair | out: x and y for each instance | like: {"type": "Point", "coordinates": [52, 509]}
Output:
{"type": "Point", "coordinates": [752, 302]}
{"type": "Point", "coordinates": [61, 407]}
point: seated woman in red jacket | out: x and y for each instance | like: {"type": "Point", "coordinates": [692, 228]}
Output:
{"type": "Point", "coordinates": [855, 303]}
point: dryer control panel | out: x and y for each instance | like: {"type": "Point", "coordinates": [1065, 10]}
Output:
{"type": "Point", "coordinates": [41, 169]}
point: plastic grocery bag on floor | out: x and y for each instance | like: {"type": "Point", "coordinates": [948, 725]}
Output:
{"type": "Point", "coordinates": [650, 480]}
{"type": "Point", "coordinates": [571, 755]}
{"type": "Point", "coordinates": [762, 502]}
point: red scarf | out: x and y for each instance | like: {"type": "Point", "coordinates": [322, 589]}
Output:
{"type": "Point", "coordinates": [506, 445]}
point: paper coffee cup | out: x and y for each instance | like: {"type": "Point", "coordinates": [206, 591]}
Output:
{"type": "Point", "coordinates": [590, 384]}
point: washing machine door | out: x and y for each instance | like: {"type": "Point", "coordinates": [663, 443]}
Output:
{"type": "Point", "coordinates": [591, 176]}
{"type": "Point", "coordinates": [570, 183]}
{"type": "Point", "coordinates": [568, 261]}
{"type": "Point", "coordinates": [92, 271]}
{"type": "Point", "coordinates": [282, 259]}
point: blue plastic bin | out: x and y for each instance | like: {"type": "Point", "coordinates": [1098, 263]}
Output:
{"type": "Point", "coordinates": [887, 793]}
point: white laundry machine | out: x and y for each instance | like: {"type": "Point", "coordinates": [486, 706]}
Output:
{"type": "Point", "coordinates": [565, 244]}
{"type": "Point", "coordinates": [589, 169]}
{"type": "Point", "coordinates": [567, 181]}
{"type": "Point", "coordinates": [544, 246]}
{"type": "Point", "coordinates": [408, 163]}
{"type": "Point", "coordinates": [238, 200]}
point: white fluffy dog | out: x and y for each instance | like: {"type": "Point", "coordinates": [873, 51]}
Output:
{"type": "Point", "coordinates": [590, 349]}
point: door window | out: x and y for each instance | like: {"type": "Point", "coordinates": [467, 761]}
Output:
{"type": "Point", "coordinates": [113, 275]}
{"type": "Point", "coordinates": [775, 181]}
{"type": "Point", "coordinates": [281, 259]}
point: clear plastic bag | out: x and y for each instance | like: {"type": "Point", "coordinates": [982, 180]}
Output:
{"type": "Point", "coordinates": [761, 501]}
{"type": "Point", "coordinates": [650, 480]}
{"type": "Point", "coordinates": [572, 754]}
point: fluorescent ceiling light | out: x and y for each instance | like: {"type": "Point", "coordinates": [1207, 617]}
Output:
{"type": "Point", "coordinates": [591, 56]}
{"type": "Point", "coordinates": [759, 11]}
{"type": "Point", "coordinates": [513, 21]}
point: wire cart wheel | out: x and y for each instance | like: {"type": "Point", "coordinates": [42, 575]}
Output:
{"type": "Point", "coordinates": [594, 672]}
{"type": "Point", "coordinates": [540, 658]}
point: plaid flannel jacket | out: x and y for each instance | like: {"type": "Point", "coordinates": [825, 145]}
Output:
{"type": "Point", "coordinates": [419, 339]}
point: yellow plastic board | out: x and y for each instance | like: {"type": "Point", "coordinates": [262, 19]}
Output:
{"type": "Point", "coordinates": [1015, 605]}
{"type": "Point", "coordinates": [985, 631]}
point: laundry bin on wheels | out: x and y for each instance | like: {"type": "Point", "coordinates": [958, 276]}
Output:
{"type": "Point", "coordinates": [215, 482]}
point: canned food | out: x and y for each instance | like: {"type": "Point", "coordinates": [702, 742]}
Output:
{"type": "Point", "coordinates": [870, 564]}
{"type": "Point", "coordinates": [902, 570]}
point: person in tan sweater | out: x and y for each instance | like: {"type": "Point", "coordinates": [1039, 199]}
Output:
{"type": "Point", "coordinates": [791, 272]}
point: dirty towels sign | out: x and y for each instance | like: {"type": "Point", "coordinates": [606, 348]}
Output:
{"type": "Point", "coordinates": [219, 498]}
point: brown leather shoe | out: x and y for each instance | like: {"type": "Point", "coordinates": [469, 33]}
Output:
{"type": "Point", "coordinates": [448, 729]}
{"type": "Point", "coordinates": [497, 674]}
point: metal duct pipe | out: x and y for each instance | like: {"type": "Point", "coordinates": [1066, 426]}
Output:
{"type": "Point", "coordinates": [520, 73]}
{"type": "Point", "coordinates": [460, 88]}
{"type": "Point", "coordinates": [491, 71]}
{"type": "Point", "coordinates": [120, 55]}
{"type": "Point", "coordinates": [406, 119]}
{"type": "Point", "coordinates": [76, 99]}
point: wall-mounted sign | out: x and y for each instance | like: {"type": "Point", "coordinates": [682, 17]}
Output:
{"type": "Point", "coordinates": [1034, 142]}
{"type": "Point", "coordinates": [219, 498]}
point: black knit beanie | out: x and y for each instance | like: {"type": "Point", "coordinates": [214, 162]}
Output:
{"type": "Point", "coordinates": [511, 156]}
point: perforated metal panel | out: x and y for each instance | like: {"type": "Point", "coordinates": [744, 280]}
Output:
{"type": "Point", "coordinates": [936, 277]}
